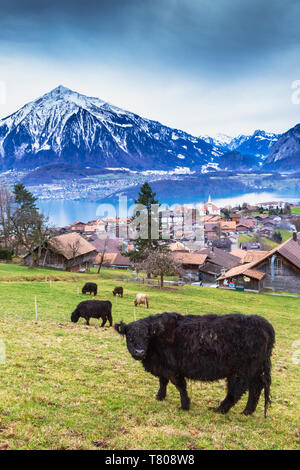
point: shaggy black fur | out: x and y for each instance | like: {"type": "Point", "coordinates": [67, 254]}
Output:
{"type": "Point", "coordinates": [93, 309]}
{"type": "Point", "coordinates": [90, 287]}
{"type": "Point", "coordinates": [210, 347]}
{"type": "Point", "coordinates": [118, 291]}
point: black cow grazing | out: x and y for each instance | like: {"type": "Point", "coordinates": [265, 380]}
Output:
{"type": "Point", "coordinates": [118, 291]}
{"type": "Point", "coordinates": [93, 309]}
{"type": "Point", "coordinates": [208, 348]}
{"type": "Point", "coordinates": [90, 287]}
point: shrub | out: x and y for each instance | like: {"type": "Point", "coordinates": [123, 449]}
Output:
{"type": "Point", "coordinates": [6, 254]}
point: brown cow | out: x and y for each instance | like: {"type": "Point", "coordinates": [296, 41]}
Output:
{"type": "Point", "coordinates": [118, 291]}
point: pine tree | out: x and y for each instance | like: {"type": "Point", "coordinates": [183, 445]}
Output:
{"type": "Point", "coordinates": [147, 198]}
{"type": "Point", "coordinates": [23, 198]}
{"type": "Point", "coordinates": [30, 228]}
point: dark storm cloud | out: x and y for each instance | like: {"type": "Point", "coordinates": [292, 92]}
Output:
{"type": "Point", "coordinates": [204, 36]}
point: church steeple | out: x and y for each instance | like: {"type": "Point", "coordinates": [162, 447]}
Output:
{"type": "Point", "coordinates": [209, 199]}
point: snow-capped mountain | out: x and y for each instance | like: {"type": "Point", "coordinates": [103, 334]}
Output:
{"type": "Point", "coordinates": [285, 154]}
{"type": "Point", "coordinates": [63, 126]}
{"type": "Point", "coordinates": [257, 144]}
{"type": "Point", "coordinates": [220, 140]}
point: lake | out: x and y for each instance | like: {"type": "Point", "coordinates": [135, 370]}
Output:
{"type": "Point", "coordinates": [63, 212]}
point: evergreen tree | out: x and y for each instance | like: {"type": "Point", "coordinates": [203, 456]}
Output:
{"type": "Point", "coordinates": [24, 199]}
{"type": "Point", "coordinates": [30, 228]}
{"type": "Point", "coordinates": [147, 198]}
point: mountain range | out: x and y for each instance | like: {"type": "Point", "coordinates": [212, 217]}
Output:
{"type": "Point", "coordinates": [65, 127]}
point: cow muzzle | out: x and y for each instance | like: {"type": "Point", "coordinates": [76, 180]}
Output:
{"type": "Point", "coordinates": [139, 354]}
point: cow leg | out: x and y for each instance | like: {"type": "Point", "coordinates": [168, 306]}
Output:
{"type": "Point", "coordinates": [162, 392]}
{"type": "Point", "coordinates": [87, 321]}
{"type": "Point", "coordinates": [103, 321]}
{"type": "Point", "coordinates": [255, 389]}
{"type": "Point", "coordinates": [180, 384]}
{"type": "Point", "coordinates": [236, 387]}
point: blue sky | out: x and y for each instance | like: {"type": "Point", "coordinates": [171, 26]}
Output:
{"type": "Point", "coordinates": [203, 66]}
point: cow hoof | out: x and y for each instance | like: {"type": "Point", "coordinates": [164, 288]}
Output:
{"type": "Point", "coordinates": [247, 413]}
{"type": "Point", "coordinates": [185, 406]}
{"type": "Point", "coordinates": [217, 409]}
{"type": "Point", "coordinates": [160, 397]}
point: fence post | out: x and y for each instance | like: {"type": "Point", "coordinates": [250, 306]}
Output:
{"type": "Point", "coordinates": [35, 304]}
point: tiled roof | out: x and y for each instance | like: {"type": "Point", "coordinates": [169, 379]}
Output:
{"type": "Point", "coordinates": [220, 257]}
{"type": "Point", "coordinates": [113, 259]}
{"type": "Point", "coordinates": [190, 258]}
{"type": "Point", "coordinates": [248, 256]}
{"type": "Point", "coordinates": [290, 250]}
{"type": "Point", "coordinates": [70, 245]}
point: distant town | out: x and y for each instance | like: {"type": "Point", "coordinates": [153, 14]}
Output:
{"type": "Point", "coordinates": [245, 248]}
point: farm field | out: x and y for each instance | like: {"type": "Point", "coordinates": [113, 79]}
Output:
{"type": "Point", "coordinates": [70, 386]}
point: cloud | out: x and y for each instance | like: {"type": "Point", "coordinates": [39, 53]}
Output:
{"type": "Point", "coordinates": [194, 65]}
{"type": "Point", "coordinates": [224, 36]}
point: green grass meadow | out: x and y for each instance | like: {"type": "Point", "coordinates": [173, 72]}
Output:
{"type": "Point", "coordinates": [69, 386]}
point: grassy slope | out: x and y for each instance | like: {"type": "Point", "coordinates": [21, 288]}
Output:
{"type": "Point", "coordinates": [66, 385]}
{"type": "Point", "coordinates": [268, 244]}
{"type": "Point", "coordinates": [296, 211]}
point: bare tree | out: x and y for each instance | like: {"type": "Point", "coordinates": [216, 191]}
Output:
{"type": "Point", "coordinates": [74, 248]}
{"type": "Point", "coordinates": [31, 231]}
{"type": "Point", "coordinates": [159, 263]}
{"type": "Point", "coordinates": [102, 256]}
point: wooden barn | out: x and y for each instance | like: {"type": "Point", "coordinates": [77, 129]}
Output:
{"type": "Point", "coordinates": [69, 252]}
{"type": "Point", "coordinates": [277, 270]}
{"type": "Point", "coordinates": [191, 263]}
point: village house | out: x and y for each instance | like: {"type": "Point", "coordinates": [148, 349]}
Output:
{"type": "Point", "coordinates": [277, 270]}
{"type": "Point", "coordinates": [245, 227]}
{"type": "Point", "coordinates": [275, 205]}
{"type": "Point", "coordinates": [68, 252]}
{"type": "Point", "coordinates": [77, 227]}
{"type": "Point", "coordinates": [227, 227]}
{"type": "Point", "coordinates": [217, 261]}
{"type": "Point", "coordinates": [235, 217]}
{"type": "Point", "coordinates": [211, 231]}
{"type": "Point", "coordinates": [176, 246]}
{"type": "Point", "coordinates": [191, 263]}
{"type": "Point", "coordinates": [248, 256]}
{"type": "Point", "coordinates": [113, 260]}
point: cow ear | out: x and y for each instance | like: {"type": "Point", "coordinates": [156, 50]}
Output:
{"type": "Point", "coordinates": [120, 328]}
{"type": "Point", "coordinates": [165, 328]}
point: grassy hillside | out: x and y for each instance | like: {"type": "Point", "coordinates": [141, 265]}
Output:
{"type": "Point", "coordinates": [296, 210]}
{"type": "Point", "coordinates": [268, 244]}
{"type": "Point", "coordinates": [65, 385]}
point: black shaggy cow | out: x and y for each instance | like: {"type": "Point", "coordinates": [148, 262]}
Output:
{"type": "Point", "coordinates": [93, 309]}
{"type": "Point", "coordinates": [90, 287]}
{"type": "Point", "coordinates": [118, 291]}
{"type": "Point", "coordinates": [210, 347]}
